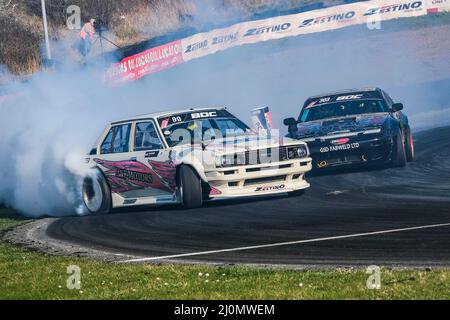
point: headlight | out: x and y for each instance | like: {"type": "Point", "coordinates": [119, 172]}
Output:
{"type": "Point", "coordinates": [297, 152]}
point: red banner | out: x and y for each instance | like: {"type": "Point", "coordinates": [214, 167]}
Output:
{"type": "Point", "coordinates": [147, 62]}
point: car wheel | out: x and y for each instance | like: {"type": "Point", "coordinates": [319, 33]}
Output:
{"type": "Point", "coordinates": [297, 193]}
{"type": "Point", "coordinates": [97, 194]}
{"type": "Point", "coordinates": [399, 152]}
{"type": "Point", "coordinates": [190, 188]}
{"type": "Point", "coordinates": [409, 145]}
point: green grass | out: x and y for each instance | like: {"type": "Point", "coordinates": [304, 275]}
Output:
{"type": "Point", "coordinates": [31, 275]}
{"type": "Point", "coordinates": [9, 218]}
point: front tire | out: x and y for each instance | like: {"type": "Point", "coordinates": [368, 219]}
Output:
{"type": "Point", "coordinates": [190, 188]}
{"type": "Point", "coordinates": [409, 145]}
{"type": "Point", "coordinates": [399, 152]}
{"type": "Point", "coordinates": [97, 194]}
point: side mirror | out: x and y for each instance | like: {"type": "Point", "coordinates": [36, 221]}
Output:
{"type": "Point", "coordinates": [290, 122]}
{"type": "Point", "coordinates": [397, 107]}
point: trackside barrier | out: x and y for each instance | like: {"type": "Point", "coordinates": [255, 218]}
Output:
{"type": "Point", "coordinates": [204, 44]}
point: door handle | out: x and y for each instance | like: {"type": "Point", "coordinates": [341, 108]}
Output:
{"type": "Point", "coordinates": [133, 159]}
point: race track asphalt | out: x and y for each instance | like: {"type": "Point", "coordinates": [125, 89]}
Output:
{"type": "Point", "coordinates": [335, 205]}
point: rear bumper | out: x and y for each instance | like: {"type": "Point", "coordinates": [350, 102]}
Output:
{"type": "Point", "coordinates": [357, 151]}
{"type": "Point", "coordinates": [271, 178]}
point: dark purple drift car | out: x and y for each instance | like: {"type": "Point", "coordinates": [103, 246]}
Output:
{"type": "Point", "coordinates": [354, 127]}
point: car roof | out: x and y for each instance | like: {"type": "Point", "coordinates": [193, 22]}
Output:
{"type": "Point", "coordinates": [369, 93]}
{"type": "Point", "coordinates": [347, 91]}
{"type": "Point", "coordinates": [155, 115]}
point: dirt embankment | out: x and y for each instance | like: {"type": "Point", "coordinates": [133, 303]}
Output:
{"type": "Point", "coordinates": [127, 22]}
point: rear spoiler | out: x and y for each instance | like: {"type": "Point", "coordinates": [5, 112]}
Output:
{"type": "Point", "coordinates": [262, 120]}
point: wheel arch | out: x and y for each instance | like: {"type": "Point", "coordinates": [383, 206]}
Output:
{"type": "Point", "coordinates": [205, 185]}
{"type": "Point", "coordinates": [93, 174]}
{"type": "Point", "coordinates": [97, 168]}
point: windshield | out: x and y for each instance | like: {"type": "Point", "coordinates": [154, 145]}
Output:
{"type": "Point", "coordinates": [203, 131]}
{"type": "Point", "coordinates": [342, 109]}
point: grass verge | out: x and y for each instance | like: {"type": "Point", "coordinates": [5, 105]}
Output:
{"type": "Point", "coordinates": [31, 275]}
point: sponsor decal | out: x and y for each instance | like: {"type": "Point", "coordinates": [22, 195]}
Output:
{"type": "Point", "coordinates": [201, 115]}
{"type": "Point", "coordinates": [151, 154]}
{"type": "Point", "coordinates": [164, 123]}
{"type": "Point", "coordinates": [124, 176]}
{"type": "Point", "coordinates": [185, 117]}
{"type": "Point", "coordinates": [196, 46]}
{"type": "Point", "coordinates": [325, 100]}
{"type": "Point", "coordinates": [349, 97]}
{"type": "Point", "coordinates": [340, 17]}
{"type": "Point", "coordinates": [147, 62]}
{"type": "Point", "coordinates": [312, 104]}
{"type": "Point", "coordinates": [268, 29]}
{"type": "Point", "coordinates": [341, 147]}
{"type": "Point", "coordinates": [394, 8]}
{"type": "Point", "coordinates": [270, 188]}
{"type": "Point", "coordinates": [135, 176]}
{"type": "Point", "coordinates": [341, 141]}
{"type": "Point", "coordinates": [224, 39]}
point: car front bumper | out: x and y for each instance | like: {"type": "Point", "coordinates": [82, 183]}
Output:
{"type": "Point", "coordinates": [253, 180]}
{"type": "Point", "coordinates": [357, 151]}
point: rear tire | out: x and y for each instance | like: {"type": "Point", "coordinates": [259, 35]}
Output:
{"type": "Point", "coordinates": [190, 188]}
{"type": "Point", "coordinates": [409, 145]}
{"type": "Point", "coordinates": [399, 152]}
{"type": "Point", "coordinates": [297, 193]}
{"type": "Point", "coordinates": [97, 194]}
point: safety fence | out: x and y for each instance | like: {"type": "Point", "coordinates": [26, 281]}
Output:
{"type": "Point", "coordinates": [203, 44]}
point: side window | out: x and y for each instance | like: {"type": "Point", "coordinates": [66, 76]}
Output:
{"type": "Point", "coordinates": [388, 99]}
{"type": "Point", "coordinates": [117, 140]}
{"type": "Point", "coordinates": [147, 137]}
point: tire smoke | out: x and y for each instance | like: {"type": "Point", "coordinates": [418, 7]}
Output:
{"type": "Point", "coordinates": [48, 129]}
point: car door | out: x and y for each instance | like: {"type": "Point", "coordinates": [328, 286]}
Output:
{"type": "Point", "coordinates": [116, 161]}
{"type": "Point", "coordinates": [149, 151]}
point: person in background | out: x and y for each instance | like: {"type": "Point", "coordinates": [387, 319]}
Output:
{"type": "Point", "coordinates": [87, 35]}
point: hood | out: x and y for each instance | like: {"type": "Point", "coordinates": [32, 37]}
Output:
{"type": "Point", "coordinates": [244, 143]}
{"type": "Point", "coordinates": [340, 125]}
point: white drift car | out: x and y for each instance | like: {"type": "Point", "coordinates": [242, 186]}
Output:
{"type": "Point", "coordinates": [188, 157]}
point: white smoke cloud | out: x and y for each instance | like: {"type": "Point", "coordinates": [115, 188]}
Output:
{"type": "Point", "coordinates": [59, 115]}
{"type": "Point", "coordinates": [431, 119]}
